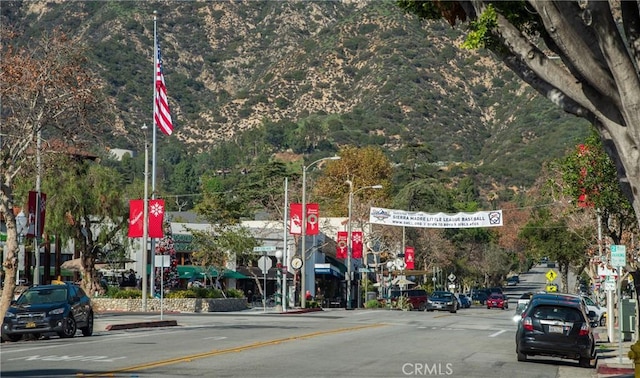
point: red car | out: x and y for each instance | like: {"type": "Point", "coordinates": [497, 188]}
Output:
{"type": "Point", "coordinates": [497, 301]}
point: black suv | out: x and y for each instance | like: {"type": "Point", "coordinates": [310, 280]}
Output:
{"type": "Point", "coordinates": [556, 325]}
{"type": "Point", "coordinates": [62, 308]}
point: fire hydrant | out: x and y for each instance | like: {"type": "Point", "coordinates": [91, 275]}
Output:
{"type": "Point", "coordinates": [634, 354]}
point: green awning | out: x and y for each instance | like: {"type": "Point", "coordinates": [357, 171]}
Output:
{"type": "Point", "coordinates": [189, 272]}
{"type": "Point", "coordinates": [228, 273]}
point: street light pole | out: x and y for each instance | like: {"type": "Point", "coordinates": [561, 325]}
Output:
{"type": "Point", "coordinates": [145, 221]}
{"type": "Point", "coordinates": [303, 276]}
{"type": "Point", "coordinates": [349, 241]}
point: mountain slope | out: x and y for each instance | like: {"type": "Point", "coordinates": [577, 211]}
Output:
{"type": "Point", "coordinates": [330, 73]}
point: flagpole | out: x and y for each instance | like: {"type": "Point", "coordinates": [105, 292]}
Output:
{"type": "Point", "coordinates": [153, 148]}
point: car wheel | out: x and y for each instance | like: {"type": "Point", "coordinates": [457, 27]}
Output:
{"type": "Point", "coordinates": [522, 357]}
{"type": "Point", "coordinates": [488, 307]}
{"type": "Point", "coordinates": [585, 362]}
{"type": "Point", "coordinates": [88, 330]}
{"type": "Point", "coordinates": [68, 328]}
{"type": "Point", "coordinates": [422, 306]}
{"type": "Point", "coordinates": [13, 338]}
{"type": "Point", "coordinates": [453, 311]}
{"type": "Point", "coordinates": [429, 310]}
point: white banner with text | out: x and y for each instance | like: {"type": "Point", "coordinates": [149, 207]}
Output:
{"type": "Point", "coordinates": [391, 217]}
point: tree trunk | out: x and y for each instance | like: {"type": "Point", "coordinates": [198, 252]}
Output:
{"type": "Point", "coordinates": [10, 263]}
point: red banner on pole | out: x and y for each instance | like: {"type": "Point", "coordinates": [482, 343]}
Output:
{"type": "Point", "coordinates": [295, 218]}
{"type": "Point", "coordinates": [313, 219]}
{"type": "Point", "coordinates": [341, 246]}
{"type": "Point", "coordinates": [36, 206]}
{"type": "Point", "coordinates": [136, 217]}
{"type": "Point", "coordinates": [356, 244]}
{"type": "Point", "coordinates": [156, 218]}
{"type": "Point", "coordinates": [409, 258]}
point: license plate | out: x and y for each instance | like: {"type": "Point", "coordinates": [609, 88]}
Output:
{"type": "Point", "coordinates": [438, 305]}
{"type": "Point", "coordinates": [555, 329]}
{"type": "Point", "coordinates": [31, 325]}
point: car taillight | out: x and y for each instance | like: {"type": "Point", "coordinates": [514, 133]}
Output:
{"type": "Point", "coordinates": [584, 330]}
{"type": "Point", "coordinates": [527, 324]}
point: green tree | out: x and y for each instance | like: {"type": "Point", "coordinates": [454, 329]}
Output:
{"type": "Point", "coordinates": [85, 204]}
{"type": "Point", "coordinates": [213, 249]}
{"type": "Point", "coordinates": [47, 89]}
{"type": "Point", "coordinates": [552, 237]}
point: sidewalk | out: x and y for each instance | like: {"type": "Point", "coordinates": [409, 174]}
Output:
{"type": "Point", "coordinates": [612, 362]}
{"type": "Point", "coordinates": [132, 320]}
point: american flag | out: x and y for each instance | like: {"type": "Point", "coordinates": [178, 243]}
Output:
{"type": "Point", "coordinates": [161, 110]}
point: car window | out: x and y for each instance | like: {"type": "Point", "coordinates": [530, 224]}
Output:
{"type": "Point", "coordinates": [589, 301]}
{"type": "Point", "coordinates": [32, 297]}
{"type": "Point", "coordinates": [557, 313]}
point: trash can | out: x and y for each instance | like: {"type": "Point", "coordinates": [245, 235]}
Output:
{"type": "Point", "coordinates": [628, 319]}
{"type": "Point", "coordinates": [371, 296]}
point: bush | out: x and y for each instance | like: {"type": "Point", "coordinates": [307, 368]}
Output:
{"type": "Point", "coordinates": [126, 294]}
{"type": "Point", "coordinates": [190, 293]}
{"type": "Point", "coordinates": [312, 304]}
{"type": "Point", "coordinates": [373, 303]}
{"type": "Point", "coordinates": [235, 293]}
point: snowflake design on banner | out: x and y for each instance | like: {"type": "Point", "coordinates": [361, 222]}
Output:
{"type": "Point", "coordinates": [170, 275]}
{"type": "Point", "coordinates": [156, 209]}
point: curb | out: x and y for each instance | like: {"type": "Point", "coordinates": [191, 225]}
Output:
{"type": "Point", "coordinates": [618, 371]}
{"type": "Point", "coordinates": [301, 311]}
{"type": "Point", "coordinates": [152, 324]}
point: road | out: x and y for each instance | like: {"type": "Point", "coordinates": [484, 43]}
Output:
{"type": "Point", "coordinates": [474, 342]}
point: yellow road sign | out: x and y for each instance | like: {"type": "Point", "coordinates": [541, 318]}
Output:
{"type": "Point", "coordinates": [551, 275]}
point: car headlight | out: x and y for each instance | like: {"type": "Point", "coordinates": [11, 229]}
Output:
{"type": "Point", "coordinates": [9, 315]}
{"type": "Point", "coordinates": [57, 311]}
{"type": "Point", "coordinates": [449, 303]}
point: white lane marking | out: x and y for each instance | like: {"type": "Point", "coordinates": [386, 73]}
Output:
{"type": "Point", "coordinates": [215, 338]}
{"type": "Point", "coordinates": [498, 333]}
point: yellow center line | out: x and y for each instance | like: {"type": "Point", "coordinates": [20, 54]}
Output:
{"type": "Point", "coordinates": [216, 352]}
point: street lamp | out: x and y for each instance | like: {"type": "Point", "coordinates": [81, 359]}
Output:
{"type": "Point", "coordinates": [303, 276]}
{"type": "Point", "coordinates": [349, 241]}
{"type": "Point", "coordinates": [279, 281]}
{"type": "Point", "coordinates": [145, 221]}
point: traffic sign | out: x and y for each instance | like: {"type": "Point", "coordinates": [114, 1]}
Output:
{"type": "Point", "coordinates": [618, 255]}
{"type": "Point", "coordinates": [452, 277]}
{"type": "Point", "coordinates": [551, 275]}
{"type": "Point", "coordinates": [264, 248]}
{"type": "Point", "coordinates": [264, 263]}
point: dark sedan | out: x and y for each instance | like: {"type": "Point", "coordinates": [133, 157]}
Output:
{"type": "Point", "coordinates": [61, 308]}
{"type": "Point", "coordinates": [442, 301]}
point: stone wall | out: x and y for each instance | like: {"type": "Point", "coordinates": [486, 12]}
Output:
{"type": "Point", "coordinates": [171, 304]}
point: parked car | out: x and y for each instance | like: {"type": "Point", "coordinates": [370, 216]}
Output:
{"type": "Point", "coordinates": [442, 301]}
{"type": "Point", "coordinates": [479, 297]}
{"type": "Point", "coordinates": [556, 325]}
{"type": "Point", "coordinates": [601, 312]}
{"type": "Point", "coordinates": [463, 300]}
{"type": "Point", "coordinates": [522, 304]}
{"type": "Point", "coordinates": [513, 281]}
{"type": "Point", "coordinates": [497, 301]}
{"type": "Point", "coordinates": [417, 297]}
{"type": "Point", "coordinates": [61, 308]}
